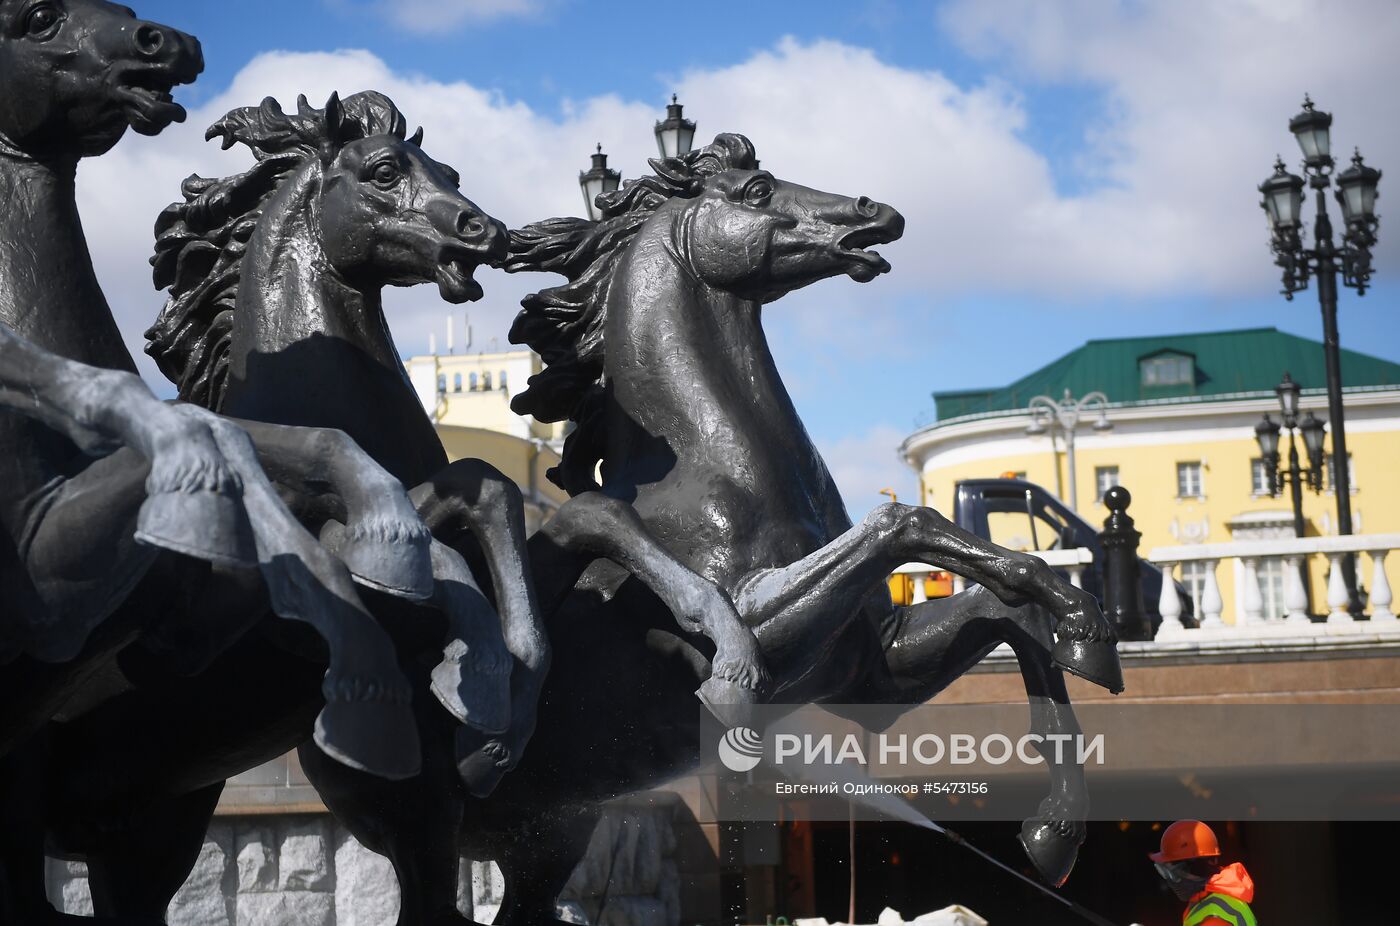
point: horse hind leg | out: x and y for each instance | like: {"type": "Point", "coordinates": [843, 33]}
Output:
{"type": "Point", "coordinates": [938, 641]}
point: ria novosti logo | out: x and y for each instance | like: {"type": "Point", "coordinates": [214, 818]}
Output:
{"type": "Point", "coordinates": [741, 749]}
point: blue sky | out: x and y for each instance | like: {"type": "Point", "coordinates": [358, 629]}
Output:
{"type": "Point", "coordinates": [1069, 170]}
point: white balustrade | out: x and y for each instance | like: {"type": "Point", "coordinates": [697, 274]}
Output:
{"type": "Point", "coordinates": [1249, 613]}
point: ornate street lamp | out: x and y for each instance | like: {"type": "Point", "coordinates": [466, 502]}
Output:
{"type": "Point", "coordinates": [1356, 193]}
{"type": "Point", "coordinates": [597, 180]}
{"type": "Point", "coordinates": [1266, 433]}
{"type": "Point", "coordinates": [1063, 416]}
{"type": "Point", "coordinates": [675, 135]}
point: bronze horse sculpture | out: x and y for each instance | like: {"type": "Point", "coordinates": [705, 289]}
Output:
{"type": "Point", "coordinates": [655, 347]}
{"type": "Point", "coordinates": [97, 479]}
{"type": "Point", "coordinates": [275, 277]}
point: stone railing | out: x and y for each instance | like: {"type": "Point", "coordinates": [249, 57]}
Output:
{"type": "Point", "coordinates": [1073, 561]}
{"type": "Point", "coordinates": [1249, 605]}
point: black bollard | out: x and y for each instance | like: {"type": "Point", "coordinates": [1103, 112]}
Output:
{"type": "Point", "coordinates": [1122, 573]}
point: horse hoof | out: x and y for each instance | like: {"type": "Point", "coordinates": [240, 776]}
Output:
{"type": "Point", "coordinates": [482, 765]}
{"type": "Point", "coordinates": [478, 699]}
{"type": "Point", "coordinates": [403, 568]}
{"type": "Point", "coordinates": [379, 737]}
{"type": "Point", "coordinates": [731, 703]}
{"type": "Point", "coordinates": [1053, 846]}
{"type": "Point", "coordinates": [205, 525]}
{"type": "Point", "coordinates": [1092, 660]}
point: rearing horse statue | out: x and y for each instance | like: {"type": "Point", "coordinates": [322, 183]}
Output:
{"type": "Point", "coordinates": [654, 345]}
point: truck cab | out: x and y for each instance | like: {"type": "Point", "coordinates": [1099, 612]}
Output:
{"type": "Point", "coordinates": [1023, 516]}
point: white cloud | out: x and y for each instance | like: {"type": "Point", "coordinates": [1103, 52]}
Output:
{"type": "Point", "coordinates": [1200, 94]}
{"type": "Point", "coordinates": [863, 464]}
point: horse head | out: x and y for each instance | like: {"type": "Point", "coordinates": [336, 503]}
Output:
{"type": "Point", "coordinates": [77, 73]}
{"type": "Point", "coordinates": [390, 214]}
{"type": "Point", "coordinates": [748, 233]}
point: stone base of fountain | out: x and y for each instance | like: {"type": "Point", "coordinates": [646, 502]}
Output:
{"type": "Point", "coordinates": [956, 915]}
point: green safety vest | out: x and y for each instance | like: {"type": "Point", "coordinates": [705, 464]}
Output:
{"type": "Point", "coordinates": [1230, 909]}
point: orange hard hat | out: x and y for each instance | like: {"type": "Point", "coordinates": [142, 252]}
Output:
{"type": "Point", "coordinates": [1186, 839]}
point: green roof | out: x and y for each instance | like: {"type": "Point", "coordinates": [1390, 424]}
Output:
{"type": "Point", "coordinates": [1225, 363]}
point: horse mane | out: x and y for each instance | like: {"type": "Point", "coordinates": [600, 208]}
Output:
{"type": "Point", "coordinates": [201, 241]}
{"type": "Point", "coordinates": [565, 324]}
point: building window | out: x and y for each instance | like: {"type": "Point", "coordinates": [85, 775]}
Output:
{"type": "Point", "coordinates": [486, 381]}
{"type": "Point", "coordinates": [457, 382]}
{"type": "Point", "coordinates": [1271, 572]}
{"type": "Point", "coordinates": [1188, 480]}
{"type": "Point", "coordinates": [1168, 370]}
{"type": "Point", "coordinates": [1260, 477]}
{"type": "Point", "coordinates": [1332, 473]}
{"type": "Point", "coordinates": [442, 383]}
{"type": "Point", "coordinates": [1193, 576]}
{"type": "Point", "coordinates": [471, 380]}
{"type": "Point", "coordinates": [1105, 478]}
{"type": "Point", "coordinates": [503, 380]}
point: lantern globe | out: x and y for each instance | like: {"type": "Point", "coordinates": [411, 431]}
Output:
{"type": "Point", "coordinates": [1313, 131]}
{"type": "Point", "coordinates": [1266, 433]}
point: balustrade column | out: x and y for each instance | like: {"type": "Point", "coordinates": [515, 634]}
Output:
{"type": "Point", "coordinates": [1076, 575]}
{"type": "Point", "coordinates": [1250, 595]}
{"type": "Point", "coordinates": [917, 594]}
{"type": "Point", "coordinates": [1295, 595]}
{"type": "Point", "coordinates": [1381, 597]}
{"type": "Point", "coordinates": [1212, 604]}
{"type": "Point", "coordinates": [1338, 599]}
{"type": "Point", "coordinates": [1169, 603]}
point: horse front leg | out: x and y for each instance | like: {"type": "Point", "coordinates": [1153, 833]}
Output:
{"type": "Point", "coordinates": [594, 525]}
{"type": "Point", "coordinates": [367, 722]}
{"type": "Point", "coordinates": [471, 498]}
{"type": "Point", "coordinates": [192, 502]}
{"type": "Point", "coordinates": [938, 641]}
{"type": "Point", "coordinates": [364, 514]}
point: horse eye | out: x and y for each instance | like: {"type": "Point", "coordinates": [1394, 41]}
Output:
{"type": "Point", "coordinates": [386, 174]}
{"type": "Point", "coordinates": [758, 192]}
{"type": "Point", "coordinates": [40, 20]}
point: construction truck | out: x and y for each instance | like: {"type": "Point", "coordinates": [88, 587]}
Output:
{"type": "Point", "coordinates": [1023, 516]}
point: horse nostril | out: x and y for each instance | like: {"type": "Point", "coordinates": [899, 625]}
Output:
{"type": "Point", "coordinates": [866, 206]}
{"type": "Point", "coordinates": [471, 227]}
{"type": "Point", "coordinates": [149, 40]}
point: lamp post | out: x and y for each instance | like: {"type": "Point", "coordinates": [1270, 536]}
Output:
{"type": "Point", "coordinates": [1063, 415]}
{"type": "Point", "coordinates": [1282, 204]}
{"type": "Point", "coordinates": [675, 135]}
{"type": "Point", "coordinates": [1266, 432]}
{"type": "Point", "coordinates": [597, 180]}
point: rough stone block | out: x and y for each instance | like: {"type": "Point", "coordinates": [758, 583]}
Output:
{"type": "Point", "coordinates": [304, 863]}
{"type": "Point", "coordinates": [256, 851]}
{"type": "Point", "coordinates": [205, 899]}
{"type": "Point", "coordinates": [286, 908]}
{"type": "Point", "coordinates": [366, 888]}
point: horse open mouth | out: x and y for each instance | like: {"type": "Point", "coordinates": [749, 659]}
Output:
{"type": "Point", "coordinates": [865, 265]}
{"type": "Point", "coordinates": [145, 99]}
{"type": "Point", "coordinates": [454, 280]}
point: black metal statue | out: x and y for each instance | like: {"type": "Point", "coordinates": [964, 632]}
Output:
{"type": "Point", "coordinates": [655, 347]}
{"type": "Point", "coordinates": [96, 478]}
{"type": "Point", "coordinates": [274, 313]}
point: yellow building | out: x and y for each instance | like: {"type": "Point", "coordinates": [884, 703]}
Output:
{"type": "Point", "coordinates": [468, 396]}
{"type": "Point", "coordinates": [1182, 411]}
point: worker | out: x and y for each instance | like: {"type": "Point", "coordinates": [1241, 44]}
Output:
{"type": "Point", "coordinates": [1189, 861]}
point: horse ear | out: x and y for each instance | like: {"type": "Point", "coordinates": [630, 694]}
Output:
{"type": "Point", "coordinates": [417, 138]}
{"type": "Point", "coordinates": [334, 117]}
